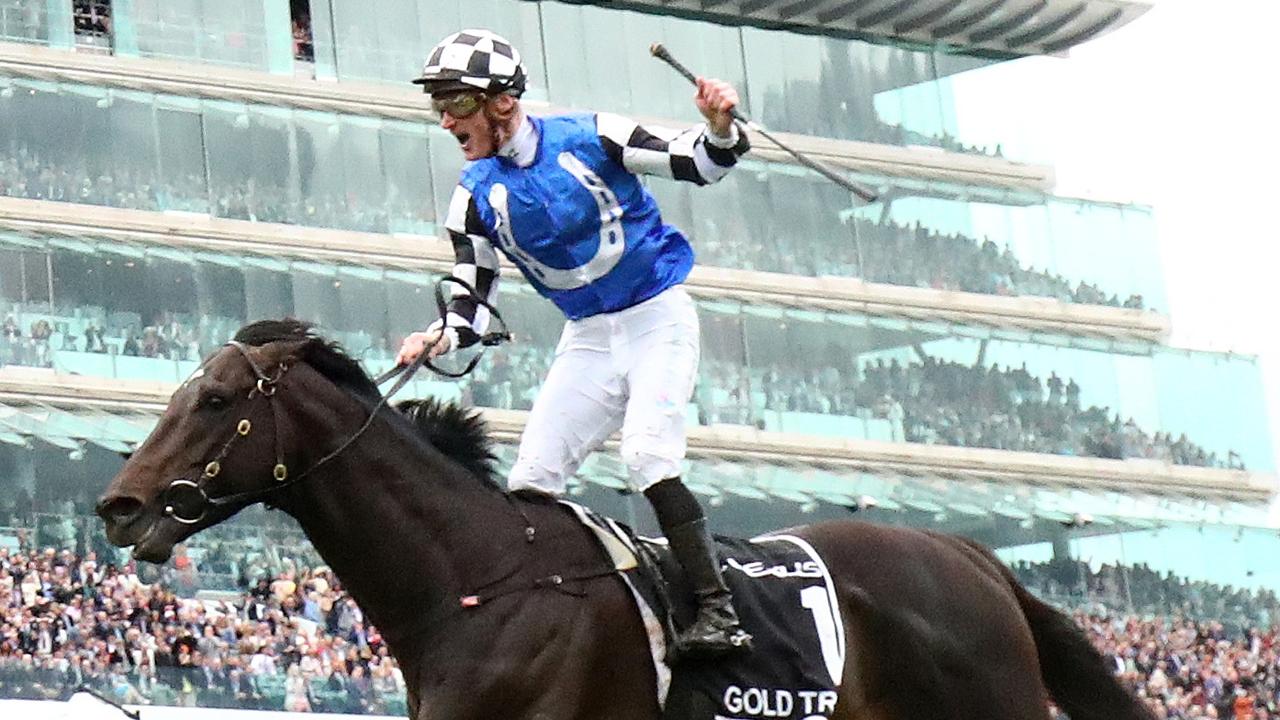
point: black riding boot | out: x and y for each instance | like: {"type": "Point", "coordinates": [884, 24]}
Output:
{"type": "Point", "coordinates": [715, 630]}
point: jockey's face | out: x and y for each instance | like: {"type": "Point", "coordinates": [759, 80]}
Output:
{"type": "Point", "coordinates": [476, 120]}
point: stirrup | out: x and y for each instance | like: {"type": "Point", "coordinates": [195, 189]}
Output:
{"type": "Point", "coordinates": [725, 641]}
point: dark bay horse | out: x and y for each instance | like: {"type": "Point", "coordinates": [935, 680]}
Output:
{"type": "Point", "coordinates": [412, 520]}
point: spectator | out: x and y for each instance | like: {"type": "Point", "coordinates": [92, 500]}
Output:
{"type": "Point", "coordinates": [296, 697]}
{"type": "Point", "coordinates": [93, 340]}
{"type": "Point", "coordinates": [929, 401]}
{"type": "Point", "coordinates": [300, 15]}
{"type": "Point", "coordinates": [10, 341]}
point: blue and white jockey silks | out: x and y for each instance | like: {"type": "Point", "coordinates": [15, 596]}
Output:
{"type": "Point", "coordinates": [581, 227]}
{"type": "Point", "coordinates": [563, 202]}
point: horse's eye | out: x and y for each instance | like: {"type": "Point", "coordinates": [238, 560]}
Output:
{"type": "Point", "coordinates": [211, 402]}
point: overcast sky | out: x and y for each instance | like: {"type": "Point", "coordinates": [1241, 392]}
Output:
{"type": "Point", "coordinates": [1180, 109]}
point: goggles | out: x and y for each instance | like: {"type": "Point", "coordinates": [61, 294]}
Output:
{"type": "Point", "coordinates": [459, 105]}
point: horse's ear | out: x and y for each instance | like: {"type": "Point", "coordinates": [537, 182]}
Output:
{"type": "Point", "coordinates": [281, 351]}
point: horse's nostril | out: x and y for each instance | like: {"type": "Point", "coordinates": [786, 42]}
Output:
{"type": "Point", "coordinates": [119, 510]}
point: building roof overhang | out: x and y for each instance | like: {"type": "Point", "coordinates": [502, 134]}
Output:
{"type": "Point", "coordinates": [984, 28]}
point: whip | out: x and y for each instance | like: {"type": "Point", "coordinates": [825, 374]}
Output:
{"type": "Point", "coordinates": [858, 189]}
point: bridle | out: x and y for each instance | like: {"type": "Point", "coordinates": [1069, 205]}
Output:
{"type": "Point", "coordinates": [266, 386]}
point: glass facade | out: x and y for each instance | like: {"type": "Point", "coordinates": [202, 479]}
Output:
{"type": "Point", "coordinates": [829, 87]}
{"type": "Point", "coordinates": [159, 310]}
{"type": "Point", "coordinates": [1207, 571]}
{"type": "Point", "coordinates": [27, 21]}
{"type": "Point", "coordinates": [87, 144]}
{"type": "Point", "coordinates": [99, 308]}
{"type": "Point", "coordinates": [388, 40]}
{"type": "Point", "coordinates": [224, 32]}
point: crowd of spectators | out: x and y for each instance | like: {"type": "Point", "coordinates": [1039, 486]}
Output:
{"type": "Point", "coordinates": [290, 638]}
{"type": "Point", "coordinates": [884, 252]}
{"type": "Point", "coordinates": [1141, 590]}
{"type": "Point", "coordinates": [919, 256]}
{"type": "Point", "coordinates": [25, 175]}
{"type": "Point", "coordinates": [167, 337]}
{"type": "Point", "coordinates": [1191, 649]}
{"type": "Point", "coordinates": [931, 401]}
{"type": "Point", "coordinates": [950, 403]}
{"type": "Point", "coordinates": [896, 134]}
{"type": "Point", "coordinates": [1185, 669]}
{"type": "Point", "coordinates": [946, 403]}
{"type": "Point", "coordinates": [291, 641]}
{"type": "Point", "coordinates": [897, 254]}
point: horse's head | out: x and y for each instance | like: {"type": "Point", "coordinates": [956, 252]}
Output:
{"type": "Point", "coordinates": [225, 441]}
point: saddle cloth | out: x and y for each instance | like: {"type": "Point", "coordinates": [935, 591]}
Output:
{"type": "Point", "coordinates": [784, 598]}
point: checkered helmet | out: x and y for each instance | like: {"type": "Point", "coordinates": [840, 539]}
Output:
{"type": "Point", "coordinates": [474, 60]}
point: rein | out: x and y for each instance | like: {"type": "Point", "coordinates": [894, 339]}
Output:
{"type": "Point", "coordinates": [489, 339]}
{"type": "Point", "coordinates": [181, 490]}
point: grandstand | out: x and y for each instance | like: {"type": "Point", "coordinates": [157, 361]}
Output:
{"type": "Point", "coordinates": [972, 353]}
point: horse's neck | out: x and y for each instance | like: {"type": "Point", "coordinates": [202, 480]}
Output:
{"type": "Point", "coordinates": [407, 531]}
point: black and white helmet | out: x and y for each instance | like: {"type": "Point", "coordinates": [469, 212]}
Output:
{"type": "Point", "coordinates": [474, 60]}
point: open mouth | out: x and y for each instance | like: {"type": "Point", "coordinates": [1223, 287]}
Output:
{"type": "Point", "coordinates": [462, 138]}
{"type": "Point", "coordinates": [151, 548]}
{"type": "Point", "coordinates": [147, 541]}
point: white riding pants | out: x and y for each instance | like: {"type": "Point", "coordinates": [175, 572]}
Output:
{"type": "Point", "coordinates": [633, 369]}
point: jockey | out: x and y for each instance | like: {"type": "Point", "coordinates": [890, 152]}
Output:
{"type": "Point", "coordinates": [560, 197]}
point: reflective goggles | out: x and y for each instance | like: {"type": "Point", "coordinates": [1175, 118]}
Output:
{"type": "Point", "coordinates": [459, 105]}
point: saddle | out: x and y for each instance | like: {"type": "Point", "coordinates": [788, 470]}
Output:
{"type": "Point", "coordinates": [784, 598]}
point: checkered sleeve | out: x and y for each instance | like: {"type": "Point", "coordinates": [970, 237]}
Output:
{"type": "Point", "coordinates": [475, 262]}
{"type": "Point", "coordinates": [694, 155]}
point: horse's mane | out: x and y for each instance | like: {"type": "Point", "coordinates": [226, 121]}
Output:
{"type": "Point", "coordinates": [455, 431]}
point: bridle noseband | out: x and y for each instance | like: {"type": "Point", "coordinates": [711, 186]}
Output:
{"type": "Point", "coordinates": [266, 386]}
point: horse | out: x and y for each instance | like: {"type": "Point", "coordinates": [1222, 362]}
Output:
{"type": "Point", "coordinates": [403, 504]}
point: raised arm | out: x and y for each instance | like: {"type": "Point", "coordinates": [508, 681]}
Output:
{"type": "Point", "coordinates": [694, 155]}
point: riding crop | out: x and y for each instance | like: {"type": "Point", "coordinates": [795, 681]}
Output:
{"type": "Point", "coordinates": [858, 189]}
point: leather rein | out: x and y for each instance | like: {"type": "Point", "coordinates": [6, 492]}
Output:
{"type": "Point", "coordinates": [180, 490]}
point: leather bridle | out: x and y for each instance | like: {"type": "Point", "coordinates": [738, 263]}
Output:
{"type": "Point", "coordinates": [266, 385]}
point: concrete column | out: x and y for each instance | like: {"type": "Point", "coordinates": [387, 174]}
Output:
{"type": "Point", "coordinates": [124, 30]}
{"type": "Point", "coordinates": [323, 41]}
{"type": "Point", "coordinates": [278, 28]}
{"type": "Point", "coordinates": [62, 27]}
